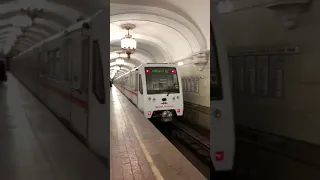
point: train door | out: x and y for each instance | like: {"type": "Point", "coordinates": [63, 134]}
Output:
{"type": "Point", "coordinates": [79, 85]}
{"type": "Point", "coordinates": [140, 94]}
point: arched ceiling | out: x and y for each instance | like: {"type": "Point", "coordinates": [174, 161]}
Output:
{"type": "Point", "coordinates": [52, 16]}
{"type": "Point", "coordinates": [166, 30]}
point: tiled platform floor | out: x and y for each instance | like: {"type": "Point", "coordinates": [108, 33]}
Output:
{"type": "Point", "coordinates": [138, 150]}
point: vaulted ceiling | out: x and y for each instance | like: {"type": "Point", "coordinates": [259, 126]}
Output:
{"type": "Point", "coordinates": [166, 30]}
{"type": "Point", "coordinates": [18, 31]}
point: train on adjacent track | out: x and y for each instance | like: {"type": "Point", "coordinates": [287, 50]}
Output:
{"type": "Point", "coordinates": [222, 130]}
{"type": "Point", "coordinates": [155, 88]}
{"type": "Point", "coordinates": [69, 72]}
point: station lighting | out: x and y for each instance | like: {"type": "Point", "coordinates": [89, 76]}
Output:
{"type": "Point", "coordinates": [21, 21]}
{"type": "Point", "coordinates": [32, 13]}
{"type": "Point", "coordinates": [119, 61]}
{"type": "Point", "coordinates": [117, 68]}
{"type": "Point", "coordinates": [180, 63]}
{"type": "Point", "coordinates": [128, 43]}
{"type": "Point", "coordinates": [112, 74]}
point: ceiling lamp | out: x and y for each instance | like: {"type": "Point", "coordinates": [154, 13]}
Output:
{"type": "Point", "coordinates": [117, 68]}
{"type": "Point", "coordinates": [128, 44]}
{"type": "Point", "coordinates": [32, 13]}
{"type": "Point", "coordinates": [120, 61]}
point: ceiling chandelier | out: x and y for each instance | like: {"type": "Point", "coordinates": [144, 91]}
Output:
{"type": "Point", "coordinates": [128, 44]}
{"type": "Point", "coordinates": [119, 61]}
{"type": "Point", "coordinates": [32, 13]}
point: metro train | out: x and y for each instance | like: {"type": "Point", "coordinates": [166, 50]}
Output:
{"type": "Point", "coordinates": [69, 72]}
{"type": "Point", "coordinates": [155, 88]}
{"type": "Point", "coordinates": [222, 133]}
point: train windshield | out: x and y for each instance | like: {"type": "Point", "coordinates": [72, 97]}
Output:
{"type": "Point", "coordinates": [162, 80]}
{"type": "Point", "coordinates": [215, 85]}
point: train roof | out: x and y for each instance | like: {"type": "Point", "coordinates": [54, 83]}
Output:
{"type": "Point", "coordinates": [69, 29]}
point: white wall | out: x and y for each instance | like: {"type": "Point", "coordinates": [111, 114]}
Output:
{"type": "Point", "coordinates": [193, 115]}
{"type": "Point", "coordinates": [296, 115]}
{"type": "Point", "coordinates": [203, 96]}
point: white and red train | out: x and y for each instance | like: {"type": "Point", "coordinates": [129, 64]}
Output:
{"type": "Point", "coordinates": [155, 88]}
{"type": "Point", "coordinates": [69, 72]}
{"type": "Point", "coordinates": [222, 134]}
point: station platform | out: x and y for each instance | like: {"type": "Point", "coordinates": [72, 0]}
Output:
{"type": "Point", "coordinates": [139, 150]}
{"type": "Point", "coordinates": [36, 146]}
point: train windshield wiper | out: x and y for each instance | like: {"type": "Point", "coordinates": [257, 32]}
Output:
{"type": "Point", "coordinates": [168, 93]}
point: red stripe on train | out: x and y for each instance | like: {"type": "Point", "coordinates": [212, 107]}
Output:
{"type": "Point", "coordinates": [67, 96]}
{"type": "Point", "coordinates": [132, 92]}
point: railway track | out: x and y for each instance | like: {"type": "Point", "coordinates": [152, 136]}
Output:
{"type": "Point", "coordinates": [190, 143]}
{"type": "Point", "coordinates": [193, 140]}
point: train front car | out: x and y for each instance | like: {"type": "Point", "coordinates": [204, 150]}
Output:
{"type": "Point", "coordinates": [163, 98]}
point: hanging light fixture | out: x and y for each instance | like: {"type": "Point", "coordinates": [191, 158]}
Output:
{"type": "Point", "coordinates": [128, 44]}
{"type": "Point", "coordinates": [117, 68]}
{"type": "Point", "coordinates": [119, 61]}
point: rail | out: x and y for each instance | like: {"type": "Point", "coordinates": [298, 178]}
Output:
{"type": "Point", "coordinates": [299, 151]}
{"type": "Point", "coordinates": [195, 141]}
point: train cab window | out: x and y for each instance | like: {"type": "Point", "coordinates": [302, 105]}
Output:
{"type": "Point", "coordinates": [215, 82]}
{"type": "Point", "coordinates": [162, 80]}
{"type": "Point", "coordinates": [97, 76]}
{"type": "Point", "coordinates": [140, 85]}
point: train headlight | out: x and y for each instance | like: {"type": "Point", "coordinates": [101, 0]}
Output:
{"type": "Point", "coordinates": [154, 99]}
{"type": "Point", "coordinates": [173, 98]}
{"type": "Point", "coordinates": [149, 98]}
{"type": "Point", "coordinates": [177, 97]}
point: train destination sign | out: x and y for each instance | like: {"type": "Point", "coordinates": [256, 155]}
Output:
{"type": "Point", "coordinates": [160, 71]}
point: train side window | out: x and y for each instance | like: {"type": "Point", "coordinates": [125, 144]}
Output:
{"type": "Point", "coordinates": [85, 62]}
{"type": "Point", "coordinates": [140, 85]}
{"type": "Point", "coordinates": [50, 64]}
{"type": "Point", "coordinates": [130, 79]}
{"type": "Point", "coordinates": [136, 82]}
{"type": "Point", "coordinates": [41, 65]}
{"type": "Point", "coordinates": [66, 58]}
{"type": "Point", "coordinates": [97, 74]}
{"type": "Point", "coordinates": [58, 72]}
{"type": "Point", "coordinates": [45, 64]}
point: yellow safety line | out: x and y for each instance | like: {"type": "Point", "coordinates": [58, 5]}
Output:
{"type": "Point", "coordinates": [153, 167]}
